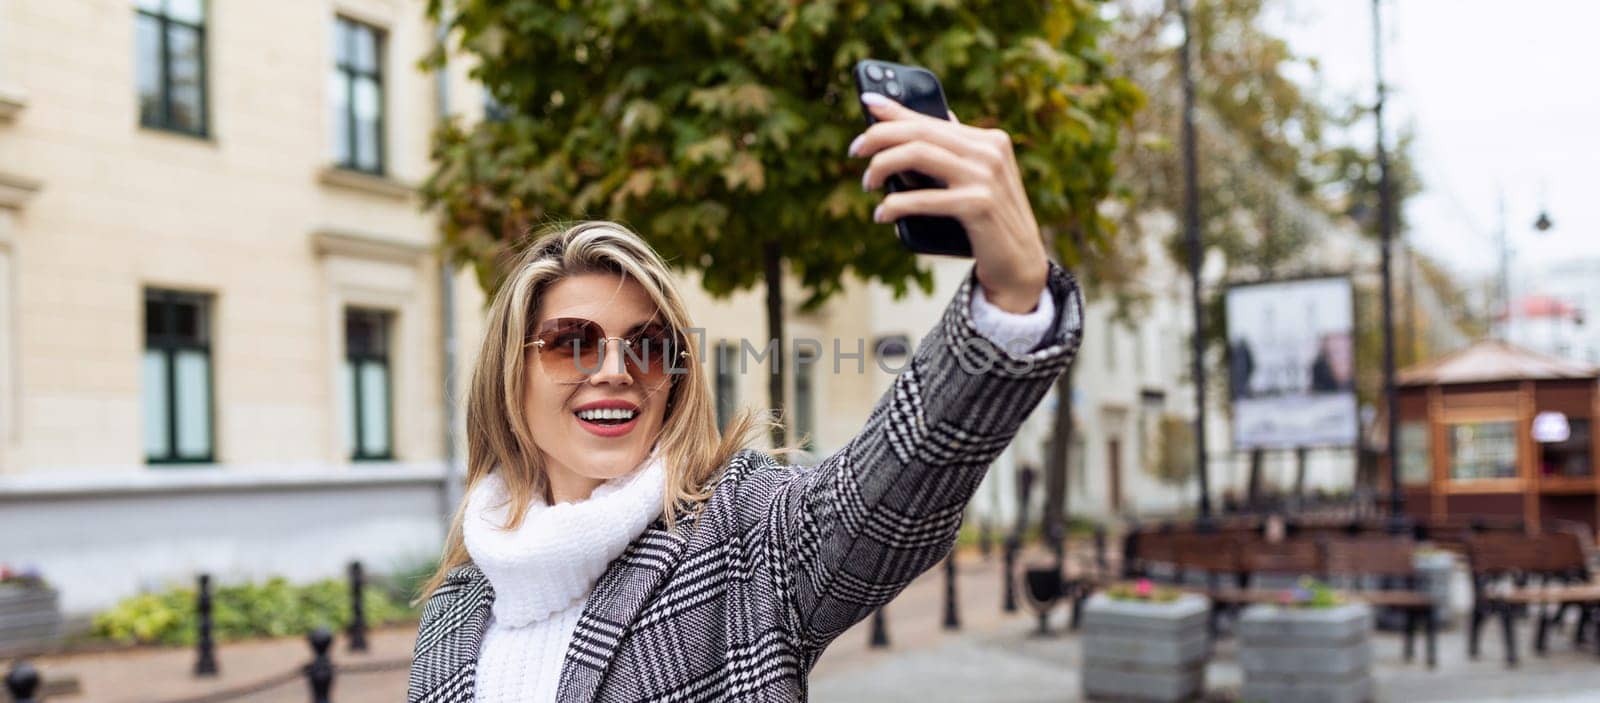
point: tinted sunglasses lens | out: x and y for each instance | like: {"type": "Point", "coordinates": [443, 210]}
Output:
{"type": "Point", "coordinates": [653, 351]}
{"type": "Point", "coordinates": [572, 347]}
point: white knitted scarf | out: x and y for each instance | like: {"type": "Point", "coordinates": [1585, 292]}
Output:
{"type": "Point", "coordinates": [553, 559]}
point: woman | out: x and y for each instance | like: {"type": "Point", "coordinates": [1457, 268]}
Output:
{"type": "Point", "coordinates": [614, 546]}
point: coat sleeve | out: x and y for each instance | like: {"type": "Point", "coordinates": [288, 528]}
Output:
{"type": "Point", "coordinates": [851, 532]}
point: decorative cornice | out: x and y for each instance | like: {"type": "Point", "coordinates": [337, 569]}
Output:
{"type": "Point", "coordinates": [381, 186]}
{"type": "Point", "coordinates": [12, 100]}
{"type": "Point", "coordinates": [15, 190]}
{"type": "Point", "coordinates": [356, 245]}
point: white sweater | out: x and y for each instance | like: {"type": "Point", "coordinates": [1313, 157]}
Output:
{"type": "Point", "coordinates": [543, 571]}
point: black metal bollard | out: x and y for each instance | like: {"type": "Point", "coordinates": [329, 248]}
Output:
{"type": "Point", "coordinates": [1101, 566]}
{"type": "Point", "coordinates": [205, 663]}
{"type": "Point", "coordinates": [358, 616]}
{"type": "Point", "coordinates": [319, 673]}
{"type": "Point", "coordinates": [952, 618]}
{"type": "Point", "coordinates": [23, 682]}
{"type": "Point", "coordinates": [1010, 578]}
{"type": "Point", "coordinates": [880, 630]}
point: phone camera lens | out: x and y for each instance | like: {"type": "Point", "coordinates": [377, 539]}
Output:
{"type": "Point", "coordinates": [874, 72]}
{"type": "Point", "coordinates": [892, 88]}
{"type": "Point", "coordinates": [888, 72]}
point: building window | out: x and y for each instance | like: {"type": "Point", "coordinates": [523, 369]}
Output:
{"type": "Point", "coordinates": [1483, 450]}
{"type": "Point", "coordinates": [1571, 457]}
{"type": "Point", "coordinates": [177, 378]}
{"type": "Point", "coordinates": [727, 382]}
{"type": "Point", "coordinates": [1416, 457]}
{"type": "Point", "coordinates": [805, 401]}
{"type": "Point", "coordinates": [368, 409]}
{"type": "Point", "coordinates": [355, 94]}
{"type": "Point", "coordinates": [170, 46]}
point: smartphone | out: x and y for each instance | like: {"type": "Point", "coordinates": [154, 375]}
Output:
{"type": "Point", "coordinates": [916, 88]}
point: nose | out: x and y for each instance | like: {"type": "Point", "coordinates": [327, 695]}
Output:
{"type": "Point", "coordinates": [614, 366]}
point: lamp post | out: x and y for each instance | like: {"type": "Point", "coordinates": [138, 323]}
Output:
{"type": "Point", "coordinates": [1191, 228]}
{"type": "Point", "coordinates": [1386, 238]}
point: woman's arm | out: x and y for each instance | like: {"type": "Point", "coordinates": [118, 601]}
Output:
{"type": "Point", "coordinates": [851, 532]}
{"type": "Point", "coordinates": [845, 537]}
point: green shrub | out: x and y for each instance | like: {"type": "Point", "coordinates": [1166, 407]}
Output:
{"type": "Point", "coordinates": [272, 609]}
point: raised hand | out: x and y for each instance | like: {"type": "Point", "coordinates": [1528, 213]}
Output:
{"type": "Point", "coordinates": [984, 193]}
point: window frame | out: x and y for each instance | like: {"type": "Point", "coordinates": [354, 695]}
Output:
{"type": "Point", "coordinates": [1424, 434]}
{"type": "Point", "coordinates": [356, 359]}
{"type": "Point", "coordinates": [170, 344]}
{"type": "Point", "coordinates": [347, 121]}
{"type": "Point", "coordinates": [1450, 448]}
{"type": "Point", "coordinates": [163, 21]}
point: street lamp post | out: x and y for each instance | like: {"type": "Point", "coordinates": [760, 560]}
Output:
{"type": "Point", "coordinates": [1191, 227]}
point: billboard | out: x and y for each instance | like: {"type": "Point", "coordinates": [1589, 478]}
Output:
{"type": "Point", "coordinates": [1291, 364]}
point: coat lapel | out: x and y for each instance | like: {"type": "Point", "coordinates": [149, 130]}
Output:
{"type": "Point", "coordinates": [627, 585]}
{"type": "Point", "coordinates": [444, 661]}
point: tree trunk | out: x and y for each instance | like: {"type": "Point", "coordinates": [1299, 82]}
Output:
{"type": "Point", "coordinates": [1055, 462]}
{"type": "Point", "coordinates": [772, 254]}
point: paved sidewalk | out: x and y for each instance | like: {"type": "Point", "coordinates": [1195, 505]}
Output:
{"type": "Point", "coordinates": [149, 674]}
{"type": "Point", "coordinates": [994, 657]}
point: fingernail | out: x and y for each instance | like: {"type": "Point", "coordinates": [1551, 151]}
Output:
{"type": "Point", "coordinates": [875, 99]}
{"type": "Point", "coordinates": [864, 185]}
{"type": "Point", "coordinates": [877, 214]}
{"type": "Point", "coordinates": [855, 144]}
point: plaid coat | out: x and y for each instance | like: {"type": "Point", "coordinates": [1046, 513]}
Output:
{"type": "Point", "coordinates": [738, 601]}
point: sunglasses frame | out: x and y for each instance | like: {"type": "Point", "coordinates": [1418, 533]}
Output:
{"type": "Point", "coordinates": [628, 348]}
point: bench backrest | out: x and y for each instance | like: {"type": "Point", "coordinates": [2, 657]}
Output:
{"type": "Point", "coordinates": [1369, 556]}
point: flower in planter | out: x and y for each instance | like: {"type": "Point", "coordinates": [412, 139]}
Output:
{"type": "Point", "coordinates": [28, 575]}
{"type": "Point", "coordinates": [1309, 593]}
{"type": "Point", "coordinates": [1143, 590]}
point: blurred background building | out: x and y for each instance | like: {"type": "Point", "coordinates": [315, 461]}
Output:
{"type": "Point", "coordinates": [1553, 316]}
{"type": "Point", "coordinates": [222, 323]}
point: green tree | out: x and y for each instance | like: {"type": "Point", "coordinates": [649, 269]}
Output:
{"type": "Point", "coordinates": [718, 129]}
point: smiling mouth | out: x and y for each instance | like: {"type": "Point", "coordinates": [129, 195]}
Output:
{"type": "Point", "coordinates": [607, 416]}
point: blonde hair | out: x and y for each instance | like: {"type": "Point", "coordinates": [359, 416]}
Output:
{"type": "Point", "coordinates": [497, 432]}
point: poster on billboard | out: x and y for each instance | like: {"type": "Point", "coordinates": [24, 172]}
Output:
{"type": "Point", "coordinates": [1291, 364]}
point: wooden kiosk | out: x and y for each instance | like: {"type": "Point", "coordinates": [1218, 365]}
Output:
{"type": "Point", "coordinates": [1468, 446]}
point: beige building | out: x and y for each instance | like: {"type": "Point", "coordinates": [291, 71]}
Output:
{"type": "Point", "coordinates": [225, 337]}
{"type": "Point", "coordinates": [221, 317]}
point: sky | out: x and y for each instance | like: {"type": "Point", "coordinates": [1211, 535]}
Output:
{"type": "Point", "coordinates": [1504, 97]}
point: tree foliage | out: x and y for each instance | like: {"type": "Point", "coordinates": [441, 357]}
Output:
{"type": "Point", "coordinates": [719, 128]}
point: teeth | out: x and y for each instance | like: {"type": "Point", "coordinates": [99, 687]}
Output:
{"type": "Point", "coordinates": [607, 414]}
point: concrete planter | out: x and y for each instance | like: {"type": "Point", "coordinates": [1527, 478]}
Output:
{"type": "Point", "coordinates": [1143, 650]}
{"type": "Point", "coordinates": [1306, 655]}
{"type": "Point", "coordinates": [1435, 570]}
{"type": "Point", "coordinates": [30, 617]}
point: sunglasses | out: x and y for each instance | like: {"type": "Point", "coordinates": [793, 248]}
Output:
{"type": "Point", "coordinates": [572, 348]}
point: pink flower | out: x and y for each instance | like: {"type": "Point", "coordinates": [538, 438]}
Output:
{"type": "Point", "coordinates": [1144, 588]}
